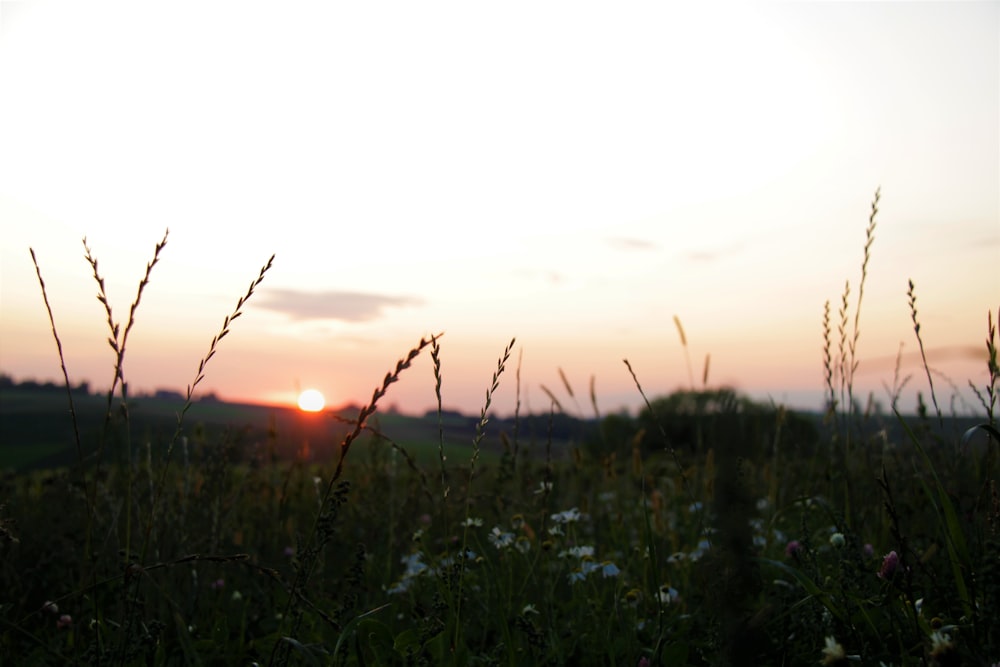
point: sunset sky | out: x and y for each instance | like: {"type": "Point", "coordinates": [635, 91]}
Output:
{"type": "Point", "coordinates": [570, 174]}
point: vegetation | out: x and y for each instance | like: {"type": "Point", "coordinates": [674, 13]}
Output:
{"type": "Point", "coordinates": [708, 530]}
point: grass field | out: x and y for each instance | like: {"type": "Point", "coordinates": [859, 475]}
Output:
{"type": "Point", "coordinates": [704, 531]}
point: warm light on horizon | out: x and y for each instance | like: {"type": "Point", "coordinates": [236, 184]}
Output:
{"type": "Point", "coordinates": [311, 400]}
{"type": "Point", "coordinates": [570, 174]}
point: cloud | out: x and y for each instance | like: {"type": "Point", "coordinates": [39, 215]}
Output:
{"type": "Point", "coordinates": [985, 241]}
{"type": "Point", "coordinates": [551, 277]}
{"type": "Point", "coordinates": [935, 355]}
{"type": "Point", "coordinates": [331, 304]}
{"type": "Point", "coordinates": [624, 243]}
{"type": "Point", "coordinates": [714, 254]}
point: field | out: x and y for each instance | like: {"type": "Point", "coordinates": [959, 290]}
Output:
{"type": "Point", "coordinates": [706, 530]}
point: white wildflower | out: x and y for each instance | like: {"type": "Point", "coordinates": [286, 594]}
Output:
{"type": "Point", "coordinates": [568, 516]}
{"type": "Point", "coordinates": [500, 539]}
{"type": "Point", "coordinates": [833, 653]}
{"type": "Point", "coordinates": [582, 551]}
{"type": "Point", "coordinates": [543, 487]}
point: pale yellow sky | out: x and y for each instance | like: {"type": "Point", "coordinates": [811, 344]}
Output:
{"type": "Point", "coordinates": [572, 174]}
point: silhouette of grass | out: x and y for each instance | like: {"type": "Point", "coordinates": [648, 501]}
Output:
{"type": "Point", "coordinates": [731, 543]}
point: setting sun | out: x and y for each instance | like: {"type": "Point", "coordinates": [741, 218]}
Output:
{"type": "Point", "coordinates": [311, 400]}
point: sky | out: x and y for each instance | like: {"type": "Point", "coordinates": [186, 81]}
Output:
{"type": "Point", "coordinates": [572, 175]}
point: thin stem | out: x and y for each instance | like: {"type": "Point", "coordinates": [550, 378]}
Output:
{"type": "Point", "coordinates": [912, 300]}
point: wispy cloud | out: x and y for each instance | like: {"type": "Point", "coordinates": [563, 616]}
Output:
{"type": "Point", "coordinates": [713, 254]}
{"type": "Point", "coordinates": [985, 242]}
{"type": "Point", "coordinates": [935, 355]}
{"type": "Point", "coordinates": [625, 243]}
{"type": "Point", "coordinates": [551, 277]}
{"type": "Point", "coordinates": [331, 304]}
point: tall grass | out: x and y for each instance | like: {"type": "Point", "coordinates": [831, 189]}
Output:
{"type": "Point", "coordinates": [736, 543]}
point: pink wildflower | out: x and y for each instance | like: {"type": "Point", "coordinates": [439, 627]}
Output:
{"type": "Point", "coordinates": [793, 548]}
{"type": "Point", "coordinates": [890, 563]}
{"type": "Point", "coordinates": [64, 621]}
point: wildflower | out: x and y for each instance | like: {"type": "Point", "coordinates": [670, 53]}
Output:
{"type": "Point", "coordinates": [890, 563]}
{"type": "Point", "coordinates": [414, 565]}
{"type": "Point", "coordinates": [50, 607]}
{"type": "Point", "coordinates": [556, 529]}
{"type": "Point", "coordinates": [500, 539]}
{"type": "Point", "coordinates": [588, 565]}
{"type": "Point", "coordinates": [676, 557]}
{"type": "Point", "coordinates": [237, 596]}
{"type": "Point", "coordinates": [522, 544]}
{"type": "Point", "coordinates": [695, 507]}
{"type": "Point", "coordinates": [65, 621]}
{"type": "Point", "coordinates": [517, 521]}
{"type": "Point", "coordinates": [644, 662]}
{"type": "Point", "coordinates": [609, 569]}
{"type": "Point", "coordinates": [218, 584]}
{"type": "Point", "coordinates": [833, 653]}
{"type": "Point", "coordinates": [793, 548]}
{"type": "Point", "coordinates": [578, 552]}
{"type": "Point", "coordinates": [401, 586]}
{"type": "Point", "coordinates": [569, 516]}
{"type": "Point", "coordinates": [868, 550]}
{"type": "Point", "coordinates": [543, 487]}
{"type": "Point", "coordinates": [529, 609]}
{"type": "Point", "coordinates": [548, 545]}
{"type": "Point", "coordinates": [668, 594]}
{"type": "Point", "coordinates": [837, 540]}
{"type": "Point", "coordinates": [472, 521]}
{"type": "Point", "coordinates": [703, 545]}
{"type": "Point", "coordinates": [632, 596]}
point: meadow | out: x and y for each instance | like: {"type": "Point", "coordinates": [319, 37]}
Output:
{"type": "Point", "coordinates": [708, 530]}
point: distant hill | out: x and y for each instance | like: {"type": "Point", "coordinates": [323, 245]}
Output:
{"type": "Point", "coordinates": [36, 428]}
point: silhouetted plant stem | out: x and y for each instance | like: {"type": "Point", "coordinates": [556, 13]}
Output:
{"type": "Point", "coordinates": [912, 301]}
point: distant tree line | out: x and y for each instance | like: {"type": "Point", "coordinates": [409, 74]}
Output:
{"type": "Point", "coordinates": [695, 421]}
{"type": "Point", "coordinates": [8, 383]}
{"type": "Point", "coordinates": [685, 422]}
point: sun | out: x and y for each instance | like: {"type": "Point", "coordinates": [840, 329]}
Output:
{"type": "Point", "coordinates": [311, 400]}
